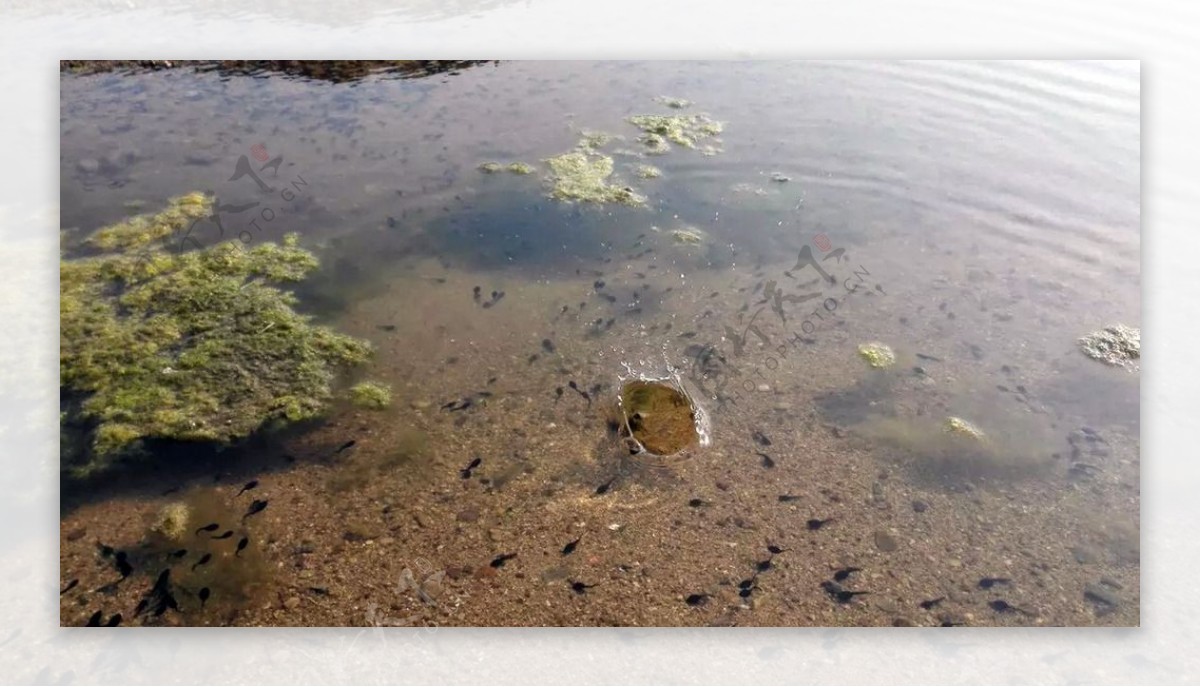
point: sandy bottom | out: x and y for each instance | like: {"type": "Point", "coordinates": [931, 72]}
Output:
{"type": "Point", "coordinates": [392, 531]}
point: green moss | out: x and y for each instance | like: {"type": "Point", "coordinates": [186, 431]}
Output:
{"type": "Point", "coordinates": [197, 346]}
{"type": "Point", "coordinates": [491, 167]}
{"type": "Point", "coordinates": [583, 175]}
{"type": "Point", "coordinates": [520, 168]}
{"type": "Point", "coordinates": [682, 130]}
{"type": "Point", "coordinates": [877, 355]}
{"type": "Point", "coordinates": [372, 395]}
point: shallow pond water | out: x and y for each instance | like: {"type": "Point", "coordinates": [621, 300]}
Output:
{"type": "Point", "coordinates": [975, 218]}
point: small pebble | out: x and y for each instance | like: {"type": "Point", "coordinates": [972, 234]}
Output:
{"type": "Point", "coordinates": [1101, 596]}
{"type": "Point", "coordinates": [885, 542]}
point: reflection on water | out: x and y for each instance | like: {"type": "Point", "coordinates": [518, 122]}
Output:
{"type": "Point", "coordinates": [976, 217]}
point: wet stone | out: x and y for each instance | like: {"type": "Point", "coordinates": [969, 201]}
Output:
{"type": "Point", "coordinates": [658, 416]}
{"type": "Point", "coordinates": [885, 542]}
{"type": "Point", "coordinates": [468, 515]}
{"type": "Point", "coordinates": [1105, 599]}
{"type": "Point", "coordinates": [877, 496]}
{"type": "Point", "coordinates": [920, 506]}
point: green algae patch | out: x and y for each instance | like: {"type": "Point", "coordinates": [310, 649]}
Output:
{"type": "Point", "coordinates": [583, 175]}
{"type": "Point", "coordinates": [655, 144]}
{"type": "Point", "coordinates": [1117, 345]}
{"type": "Point", "coordinates": [960, 427]}
{"type": "Point", "coordinates": [877, 355]}
{"type": "Point", "coordinates": [674, 103]}
{"type": "Point", "coordinates": [658, 418]}
{"type": "Point", "coordinates": [594, 140]}
{"type": "Point", "coordinates": [514, 167]}
{"type": "Point", "coordinates": [687, 237]}
{"type": "Point", "coordinates": [682, 130]}
{"type": "Point", "coordinates": [371, 395]}
{"type": "Point", "coordinates": [647, 172]}
{"type": "Point", "coordinates": [200, 345]}
{"type": "Point", "coordinates": [172, 521]}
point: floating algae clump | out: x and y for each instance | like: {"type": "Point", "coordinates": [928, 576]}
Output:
{"type": "Point", "coordinates": [674, 103]}
{"type": "Point", "coordinates": [877, 355]}
{"type": "Point", "coordinates": [583, 174]}
{"type": "Point", "coordinates": [514, 167]}
{"type": "Point", "coordinates": [372, 395]}
{"type": "Point", "coordinates": [1117, 345]}
{"type": "Point", "coordinates": [196, 346]}
{"type": "Point", "coordinates": [593, 140]}
{"type": "Point", "coordinates": [648, 171]}
{"type": "Point", "coordinates": [957, 425]}
{"type": "Point", "coordinates": [655, 144]}
{"type": "Point", "coordinates": [172, 521]}
{"type": "Point", "coordinates": [682, 130]}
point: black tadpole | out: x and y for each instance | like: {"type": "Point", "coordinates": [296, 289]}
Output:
{"type": "Point", "coordinates": [570, 547]}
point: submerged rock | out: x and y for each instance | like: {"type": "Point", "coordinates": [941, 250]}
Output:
{"type": "Point", "coordinates": [658, 417]}
{"type": "Point", "coordinates": [1117, 345]}
{"type": "Point", "coordinates": [959, 426]}
{"type": "Point", "coordinates": [885, 542]}
{"type": "Point", "coordinates": [198, 345]}
{"type": "Point", "coordinates": [690, 236]}
{"type": "Point", "coordinates": [877, 355]}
